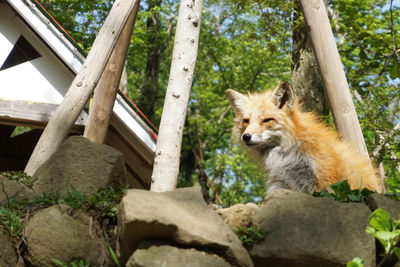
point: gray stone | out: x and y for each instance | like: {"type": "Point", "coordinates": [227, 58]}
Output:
{"type": "Point", "coordinates": [165, 255]}
{"type": "Point", "coordinates": [238, 215]}
{"type": "Point", "coordinates": [8, 255]}
{"type": "Point", "coordinates": [59, 232]}
{"type": "Point", "coordinates": [302, 230]}
{"type": "Point", "coordinates": [180, 216]}
{"type": "Point", "coordinates": [378, 201]}
{"type": "Point", "coordinates": [12, 189]}
{"type": "Point", "coordinates": [85, 165]}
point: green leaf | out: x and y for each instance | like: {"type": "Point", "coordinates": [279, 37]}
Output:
{"type": "Point", "coordinates": [370, 230]}
{"type": "Point", "coordinates": [380, 220]}
{"type": "Point", "coordinates": [395, 71]}
{"type": "Point", "coordinates": [356, 262]}
{"type": "Point", "coordinates": [396, 251]}
{"type": "Point", "coordinates": [58, 262]}
{"type": "Point", "coordinates": [387, 239]}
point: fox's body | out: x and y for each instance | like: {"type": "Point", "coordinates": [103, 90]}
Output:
{"type": "Point", "coordinates": [297, 151]}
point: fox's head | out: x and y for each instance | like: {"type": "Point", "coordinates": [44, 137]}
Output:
{"type": "Point", "coordinates": [263, 120]}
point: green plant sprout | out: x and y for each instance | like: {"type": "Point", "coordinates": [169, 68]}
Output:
{"type": "Point", "coordinates": [249, 235]}
{"type": "Point", "coordinates": [342, 192]}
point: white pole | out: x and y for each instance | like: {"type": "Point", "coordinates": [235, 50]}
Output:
{"type": "Point", "coordinates": [166, 161]}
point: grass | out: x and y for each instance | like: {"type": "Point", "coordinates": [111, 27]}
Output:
{"type": "Point", "coordinates": [19, 177]}
{"type": "Point", "coordinates": [104, 203]}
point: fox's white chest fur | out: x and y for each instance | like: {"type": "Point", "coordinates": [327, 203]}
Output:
{"type": "Point", "coordinates": [289, 169]}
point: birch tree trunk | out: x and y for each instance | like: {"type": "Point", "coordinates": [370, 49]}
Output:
{"type": "Point", "coordinates": [166, 162]}
{"type": "Point", "coordinates": [82, 86]}
{"type": "Point", "coordinates": [107, 88]}
{"type": "Point", "coordinates": [335, 83]}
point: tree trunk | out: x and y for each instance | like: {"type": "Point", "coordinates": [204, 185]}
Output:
{"type": "Point", "coordinates": [149, 89]}
{"type": "Point", "coordinates": [306, 79]}
{"type": "Point", "coordinates": [82, 86]}
{"type": "Point", "coordinates": [166, 162]}
{"type": "Point", "coordinates": [107, 88]}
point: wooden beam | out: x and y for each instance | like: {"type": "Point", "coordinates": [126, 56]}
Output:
{"type": "Point", "coordinates": [137, 166]}
{"type": "Point", "coordinates": [106, 91]}
{"type": "Point", "coordinates": [82, 86]}
{"type": "Point", "coordinates": [334, 78]}
{"type": "Point", "coordinates": [33, 113]}
{"type": "Point", "coordinates": [132, 140]}
{"type": "Point", "coordinates": [332, 72]}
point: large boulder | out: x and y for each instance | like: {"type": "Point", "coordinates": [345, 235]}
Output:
{"type": "Point", "coordinates": [86, 166]}
{"type": "Point", "coordinates": [13, 189]}
{"type": "Point", "coordinates": [61, 233]}
{"type": "Point", "coordinates": [165, 255]}
{"type": "Point", "coordinates": [378, 201]}
{"type": "Point", "coordinates": [8, 255]}
{"type": "Point", "coordinates": [180, 216]}
{"type": "Point", "coordinates": [238, 215]}
{"type": "Point", "coordinates": [302, 230]}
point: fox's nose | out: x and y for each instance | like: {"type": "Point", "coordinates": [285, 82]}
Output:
{"type": "Point", "coordinates": [246, 137]}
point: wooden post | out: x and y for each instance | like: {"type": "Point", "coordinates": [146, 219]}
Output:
{"type": "Point", "coordinates": [107, 88]}
{"type": "Point", "coordinates": [82, 86]}
{"type": "Point", "coordinates": [166, 161]}
{"type": "Point", "coordinates": [332, 73]}
{"type": "Point", "coordinates": [330, 65]}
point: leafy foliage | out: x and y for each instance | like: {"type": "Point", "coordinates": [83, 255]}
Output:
{"type": "Point", "coordinates": [356, 262]}
{"type": "Point", "coordinates": [74, 263]}
{"type": "Point", "coordinates": [104, 203]}
{"type": "Point", "coordinates": [18, 176]}
{"type": "Point", "coordinates": [250, 235]}
{"type": "Point", "coordinates": [342, 192]}
{"type": "Point", "coordinates": [11, 220]}
{"type": "Point", "coordinates": [386, 231]}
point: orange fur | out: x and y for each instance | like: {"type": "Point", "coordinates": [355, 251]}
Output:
{"type": "Point", "coordinates": [276, 131]}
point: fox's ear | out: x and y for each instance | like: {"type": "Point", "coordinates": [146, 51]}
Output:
{"type": "Point", "coordinates": [236, 100]}
{"type": "Point", "coordinates": [284, 95]}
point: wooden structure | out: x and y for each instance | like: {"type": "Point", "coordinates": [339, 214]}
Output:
{"type": "Point", "coordinates": [38, 62]}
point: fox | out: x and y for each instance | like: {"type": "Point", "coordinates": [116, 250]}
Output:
{"type": "Point", "coordinates": [296, 150]}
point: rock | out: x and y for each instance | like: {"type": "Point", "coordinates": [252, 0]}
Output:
{"type": "Point", "coordinates": [12, 189]}
{"type": "Point", "coordinates": [165, 255]}
{"type": "Point", "coordinates": [302, 230]}
{"type": "Point", "coordinates": [61, 233]}
{"type": "Point", "coordinates": [85, 165]}
{"type": "Point", "coordinates": [378, 201]}
{"type": "Point", "coordinates": [238, 215]}
{"type": "Point", "coordinates": [8, 255]}
{"type": "Point", "coordinates": [180, 216]}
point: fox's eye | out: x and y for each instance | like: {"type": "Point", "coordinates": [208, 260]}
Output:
{"type": "Point", "coordinates": [267, 120]}
{"type": "Point", "coordinates": [246, 120]}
